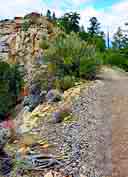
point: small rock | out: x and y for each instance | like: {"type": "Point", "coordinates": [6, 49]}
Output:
{"type": "Point", "coordinates": [49, 174]}
{"type": "Point", "coordinates": [53, 96]}
{"type": "Point", "coordinates": [4, 136]}
{"type": "Point", "coordinates": [61, 113]}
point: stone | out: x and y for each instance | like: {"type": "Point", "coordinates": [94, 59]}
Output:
{"type": "Point", "coordinates": [59, 115]}
{"type": "Point", "coordinates": [35, 89]}
{"type": "Point", "coordinates": [35, 97]}
{"type": "Point", "coordinates": [4, 136]}
{"type": "Point", "coordinates": [34, 101]}
{"type": "Point", "coordinates": [53, 96]}
{"type": "Point", "coordinates": [5, 164]}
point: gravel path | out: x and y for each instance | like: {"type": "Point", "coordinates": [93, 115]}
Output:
{"type": "Point", "coordinates": [100, 136]}
{"type": "Point", "coordinates": [96, 145]}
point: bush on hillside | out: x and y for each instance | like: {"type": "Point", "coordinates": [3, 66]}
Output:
{"type": "Point", "coordinates": [67, 53]}
{"type": "Point", "coordinates": [116, 58]}
{"type": "Point", "coordinates": [25, 26]}
{"type": "Point", "coordinates": [88, 68]}
{"type": "Point", "coordinates": [10, 85]}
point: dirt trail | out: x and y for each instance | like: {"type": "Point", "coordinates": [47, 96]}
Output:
{"type": "Point", "coordinates": [117, 84]}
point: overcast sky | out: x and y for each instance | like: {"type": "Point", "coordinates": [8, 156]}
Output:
{"type": "Point", "coordinates": [111, 13]}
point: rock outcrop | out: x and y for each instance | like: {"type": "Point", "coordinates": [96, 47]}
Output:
{"type": "Point", "coordinates": [20, 40]}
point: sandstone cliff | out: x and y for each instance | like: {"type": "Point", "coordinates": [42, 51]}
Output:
{"type": "Point", "coordinates": [21, 45]}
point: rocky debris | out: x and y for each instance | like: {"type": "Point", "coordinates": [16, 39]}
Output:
{"type": "Point", "coordinates": [26, 121]}
{"type": "Point", "coordinates": [77, 140]}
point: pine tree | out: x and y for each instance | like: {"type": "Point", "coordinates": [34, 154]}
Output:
{"type": "Point", "coordinates": [119, 39]}
{"type": "Point", "coordinates": [94, 28]}
{"type": "Point", "coordinates": [49, 14]}
{"type": "Point", "coordinates": [54, 16]}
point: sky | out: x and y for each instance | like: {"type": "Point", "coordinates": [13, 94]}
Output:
{"type": "Point", "coordinates": [110, 13]}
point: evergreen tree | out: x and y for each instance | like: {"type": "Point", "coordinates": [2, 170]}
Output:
{"type": "Point", "coordinates": [119, 40]}
{"type": "Point", "coordinates": [75, 18]}
{"type": "Point", "coordinates": [94, 28]}
{"type": "Point", "coordinates": [49, 14]}
{"type": "Point", "coordinates": [54, 17]}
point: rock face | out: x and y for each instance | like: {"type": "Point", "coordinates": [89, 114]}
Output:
{"type": "Point", "coordinates": [20, 41]}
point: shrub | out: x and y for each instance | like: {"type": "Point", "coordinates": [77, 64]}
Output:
{"type": "Point", "coordinates": [10, 85]}
{"type": "Point", "coordinates": [116, 58]}
{"type": "Point", "coordinates": [50, 28]}
{"type": "Point", "coordinates": [44, 44]}
{"type": "Point", "coordinates": [66, 51]}
{"type": "Point", "coordinates": [25, 26]}
{"type": "Point", "coordinates": [67, 82]}
{"type": "Point", "coordinates": [87, 68]}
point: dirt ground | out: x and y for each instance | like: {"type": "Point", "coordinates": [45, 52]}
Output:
{"type": "Point", "coordinates": [117, 84]}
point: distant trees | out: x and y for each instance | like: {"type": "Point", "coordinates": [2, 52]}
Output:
{"type": "Point", "coordinates": [118, 54]}
{"type": "Point", "coordinates": [120, 39]}
{"type": "Point", "coordinates": [51, 16]}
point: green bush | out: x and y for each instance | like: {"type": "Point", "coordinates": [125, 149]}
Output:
{"type": "Point", "coordinates": [66, 52]}
{"type": "Point", "coordinates": [10, 85]}
{"type": "Point", "coordinates": [67, 82]}
{"type": "Point", "coordinates": [116, 58]}
{"type": "Point", "coordinates": [25, 26]}
{"type": "Point", "coordinates": [44, 44]}
{"type": "Point", "coordinates": [88, 68]}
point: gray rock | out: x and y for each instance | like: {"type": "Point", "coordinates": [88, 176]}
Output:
{"type": "Point", "coordinates": [53, 96]}
{"type": "Point", "coordinates": [4, 136]}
